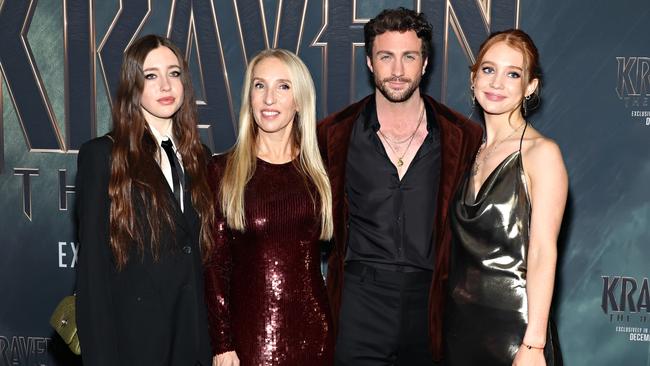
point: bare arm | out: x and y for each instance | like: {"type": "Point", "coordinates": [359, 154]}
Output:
{"type": "Point", "coordinates": [548, 186]}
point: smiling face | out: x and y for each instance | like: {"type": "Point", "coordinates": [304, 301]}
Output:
{"type": "Point", "coordinates": [162, 93]}
{"type": "Point", "coordinates": [397, 64]}
{"type": "Point", "coordinates": [498, 82]}
{"type": "Point", "coordinates": [272, 97]}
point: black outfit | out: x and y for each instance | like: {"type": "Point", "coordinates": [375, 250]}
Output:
{"type": "Point", "coordinates": [383, 318]}
{"type": "Point", "coordinates": [487, 311]}
{"type": "Point", "coordinates": [389, 261]}
{"type": "Point", "coordinates": [390, 220]}
{"type": "Point", "coordinates": [149, 313]}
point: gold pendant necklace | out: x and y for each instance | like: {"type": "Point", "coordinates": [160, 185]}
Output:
{"type": "Point", "coordinates": [400, 159]}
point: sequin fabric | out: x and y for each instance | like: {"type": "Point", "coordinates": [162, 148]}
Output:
{"type": "Point", "coordinates": [265, 293]}
{"type": "Point", "coordinates": [487, 307]}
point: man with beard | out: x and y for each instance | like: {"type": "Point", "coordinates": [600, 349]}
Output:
{"type": "Point", "coordinates": [394, 160]}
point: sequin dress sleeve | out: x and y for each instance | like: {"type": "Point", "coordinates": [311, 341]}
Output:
{"type": "Point", "coordinates": [217, 272]}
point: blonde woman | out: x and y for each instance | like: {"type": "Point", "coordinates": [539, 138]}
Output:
{"type": "Point", "coordinates": [266, 297]}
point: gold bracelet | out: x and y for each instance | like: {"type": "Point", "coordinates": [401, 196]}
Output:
{"type": "Point", "coordinates": [530, 347]}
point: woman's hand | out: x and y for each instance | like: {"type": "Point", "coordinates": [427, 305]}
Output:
{"type": "Point", "coordinates": [529, 357]}
{"type": "Point", "coordinates": [226, 359]}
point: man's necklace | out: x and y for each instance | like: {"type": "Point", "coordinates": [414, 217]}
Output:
{"type": "Point", "coordinates": [477, 163]}
{"type": "Point", "coordinates": [400, 159]}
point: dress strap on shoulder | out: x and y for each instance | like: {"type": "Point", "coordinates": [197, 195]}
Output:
{"type": "Point", "coordinates": [521, 139]}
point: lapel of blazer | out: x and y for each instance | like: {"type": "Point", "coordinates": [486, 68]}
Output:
{"type": "Point", "coordinates": [185, 218]}
{"type": "Point", "coordinates": [180, 217]}
{"type": "Point", "coordinates": [338, 141]}
{"type": "Point", "coordinates": [451, 142]}
{"type": "Point", "coordinates": [459, 140]}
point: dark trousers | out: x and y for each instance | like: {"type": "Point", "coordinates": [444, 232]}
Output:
{"type": "Point", "coordinates": [384, 318]}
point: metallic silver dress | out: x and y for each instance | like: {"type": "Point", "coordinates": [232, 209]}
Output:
{"type": "Point", "coordinates": [487, 311]}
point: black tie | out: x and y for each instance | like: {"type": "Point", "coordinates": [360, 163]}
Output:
{"type": "Point", "coordinates": [175, 165]}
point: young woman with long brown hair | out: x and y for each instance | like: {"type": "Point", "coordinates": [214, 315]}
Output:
{"type": "Point", "coordinates": [144, 216]}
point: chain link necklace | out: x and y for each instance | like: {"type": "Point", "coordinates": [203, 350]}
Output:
{"type": "Point", "coordinates": [477, 163]}
{"type": "Point", "coordinates": [400, 159]}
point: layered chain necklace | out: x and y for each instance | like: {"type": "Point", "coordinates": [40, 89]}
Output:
{"type": "Point", "coordinates": [488, 152]}
{"type": "Point", "coordinates": [400, 159]}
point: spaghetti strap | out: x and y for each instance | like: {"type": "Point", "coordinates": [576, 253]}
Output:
{"type": "Point", "coordinates": [521, 139]}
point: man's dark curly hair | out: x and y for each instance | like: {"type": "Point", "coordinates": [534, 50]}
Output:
{"type": "Point", "coordinates": [400, 20]}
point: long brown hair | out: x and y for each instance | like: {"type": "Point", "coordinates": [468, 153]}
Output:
{"type": "Point", "coordinates": [134, 170]}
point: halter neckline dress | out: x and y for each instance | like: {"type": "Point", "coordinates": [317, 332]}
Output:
{"type": "Point", "coordinates": [487, 308]}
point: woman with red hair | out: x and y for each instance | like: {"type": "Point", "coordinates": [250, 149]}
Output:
{"type": "Point", "coordinates": [505, 220]}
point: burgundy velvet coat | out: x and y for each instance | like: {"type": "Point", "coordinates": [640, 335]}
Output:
{"type": "Point", "coordinates": [460, 138]}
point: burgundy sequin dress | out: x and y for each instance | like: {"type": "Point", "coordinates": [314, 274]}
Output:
{"type": "Point", "coordinates": [265, 293]}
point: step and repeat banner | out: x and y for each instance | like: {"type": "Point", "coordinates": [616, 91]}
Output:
{"type": "Point", "coordinates": [59, 63]}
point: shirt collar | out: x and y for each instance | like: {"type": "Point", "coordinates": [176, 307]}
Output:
{"type": "Point", "coordinates": [160, 137]}
{"type": "Point", "coordinates": [371, 121]}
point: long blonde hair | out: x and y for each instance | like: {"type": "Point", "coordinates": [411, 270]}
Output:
{"type": "Point", "coordinates": [241, 162]}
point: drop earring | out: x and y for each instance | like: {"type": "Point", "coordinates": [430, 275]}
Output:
{"type": "Point", "coordinates": [473, 96]}
{"type": "Point", "coordinates": [524, 103]}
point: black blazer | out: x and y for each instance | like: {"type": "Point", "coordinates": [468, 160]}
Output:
{"type": "Point", "coordinates": [148, 313]}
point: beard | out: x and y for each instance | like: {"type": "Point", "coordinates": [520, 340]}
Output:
{"type": "Point", "coordinates": [397, 96]}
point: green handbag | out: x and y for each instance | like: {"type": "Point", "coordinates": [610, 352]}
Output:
{"type": "Point", "coordinates": [64, 322]}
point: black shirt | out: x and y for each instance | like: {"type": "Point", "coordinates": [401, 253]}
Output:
{"type": "Point", "coordinates": [391, 222]}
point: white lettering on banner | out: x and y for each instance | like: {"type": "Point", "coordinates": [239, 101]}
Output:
{"type": "Point", "coordinates": [63, 252]}
{"type": "Point", "coordinates": [638, 337]}
{"type": "Point", "coordinates": [23, 350]}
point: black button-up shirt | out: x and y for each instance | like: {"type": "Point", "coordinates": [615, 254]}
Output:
{"type": "Point", "coordinates": [391, 222]}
